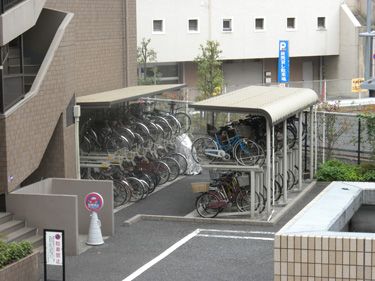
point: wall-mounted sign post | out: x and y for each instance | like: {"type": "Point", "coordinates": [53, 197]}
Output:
{"type": "Point", "coordinates": [283, 65]}
{"type": "Point", "coordinates": [93, 203]}
{"type": "Point", "coordinates": [54, 255]}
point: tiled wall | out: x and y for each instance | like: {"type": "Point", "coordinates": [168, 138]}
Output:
{"type": "Point", "coordinates": [323, 258]}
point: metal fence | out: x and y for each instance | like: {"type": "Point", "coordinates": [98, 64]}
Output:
{"type": "Point", "coordinates": [341, 136]}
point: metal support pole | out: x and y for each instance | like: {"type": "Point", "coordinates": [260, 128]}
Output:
{"type": "Point", "coordinates": [315, 141]}
{"type": "Point", "coordinates": [311, 143]}
{"type": "Point", "coordinates": [252, 194]}
{"type": "Point", "coordinates": [359, 141]}
{"type": "Point", "coordinates": [285, 161]}
{"type": "Point", "coordinates": [77, 115]}
{"type": "Point", "coordinates": [324, 138]}
{"type": "Point", "coordinates": [299, 164]}
{"type": "Point", "coordinates": [305, 168]}
{"type": "Point", "coordinates": [273, 164]}
{"type": "Point", "coordinates": [268, 165]}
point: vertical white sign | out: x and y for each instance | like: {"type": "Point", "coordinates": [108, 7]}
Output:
{"type": "Point", "coordinates": [54, 246]}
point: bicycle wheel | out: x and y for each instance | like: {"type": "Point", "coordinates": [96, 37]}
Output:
{"type": "Point", "coordinates": [243, 201]}
{"type": "Point", "coordinates": [246, 152]}
{"type": "Point", "coordinates": [185, 121]}
{"type": "Point", "coordinates": [162, 170]}
{"type": "Point", "coordinates": [200, 149]}
{"type": "Point", "coordinates": [182, 161]}
{"type": "Point", "coordinates": [120, 194]}
{"type": "Point", "coordinates": [137, 189]}
{"type": "Point", "coordinates": [146, 188]}
{"type": "Point", "coordinates": [174, 167]}
{"type": "Point", "coordinates": [208, 205]}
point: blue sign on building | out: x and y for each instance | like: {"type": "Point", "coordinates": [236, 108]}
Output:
{"type": "Point", "coordinates": [283, 66]}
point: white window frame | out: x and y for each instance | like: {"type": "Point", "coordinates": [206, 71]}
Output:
{"type": "Point", "coordinates": [188, 26]}
{"type": "Point", "coordinates": [162, 25]}
{"type": "Point", "coordinates": [264, 24]}
{"type": "Point", "coordinates": [231, 25]}
{"type": "Point", "coordinates": [321, 27]}
{"type": "Point", "coordinates": [295, 24]}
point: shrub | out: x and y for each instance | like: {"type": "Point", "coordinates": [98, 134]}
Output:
{"type": "Point", "coordinates": [335, 170]}
{"type": "Point", "coordinates": [13, 252]}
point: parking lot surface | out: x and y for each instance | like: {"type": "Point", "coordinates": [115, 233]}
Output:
{"type": "Point", "coordinates": [173, 250]}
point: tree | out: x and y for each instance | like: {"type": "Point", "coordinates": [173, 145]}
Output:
{"type": "Point", "coordinates": [210, 75]}
{"type": "Point", "coordinates": [146, 55]}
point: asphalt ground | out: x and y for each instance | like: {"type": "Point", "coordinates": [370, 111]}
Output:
{"type": "Point", "coordinates": [166, 250]}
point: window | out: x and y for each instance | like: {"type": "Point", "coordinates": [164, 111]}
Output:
{"type": "Point", "coordinates": [193, 25]}
{"type": "Point", "coordinates": [157, 26]}
{"type": "Point", "coordinates": [290, 23]}
{"type": "Point", "coordinates": [227, 25]}
{"type": "Point", "coordinates": [259, 24]}
{"type": "Point", "coordinates": [321, 22]}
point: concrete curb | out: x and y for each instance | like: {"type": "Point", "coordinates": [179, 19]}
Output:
{"type": "Point", "coordinates": [282, 212]}
{"type": "Point", "coordinates": [272, 222]}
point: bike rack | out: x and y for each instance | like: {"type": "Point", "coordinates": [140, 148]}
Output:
{"type": "Point", "coordinates": [254, 181]}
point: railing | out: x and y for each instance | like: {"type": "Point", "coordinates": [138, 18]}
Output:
{"type": "Point", "coordinates": [7, 4]}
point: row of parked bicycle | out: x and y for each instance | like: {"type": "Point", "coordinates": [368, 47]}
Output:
{"type": "Point", "coordinates": [232, 189]}
{"type": "Point", "coordinates": [145, 139]}
{"type": "Point", "coordinates": [132, 183]}
{"type": "Point", "coordinates": [138, 128]}
{"type": "Point", "coordinates": [243, 141]}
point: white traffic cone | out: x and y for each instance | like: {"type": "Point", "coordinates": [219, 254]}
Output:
{"type": "Point", "coordinates": [95, 234]}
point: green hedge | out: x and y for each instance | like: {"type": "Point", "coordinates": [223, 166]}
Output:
{"type": "Point", "coordinates": [13, 252]}
{"type": "Point", "coordinates": [334, 170]}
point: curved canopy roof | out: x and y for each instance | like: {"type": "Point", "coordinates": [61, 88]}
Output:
{"type": "Point", "coordinates": [274, 103]}
{"type": "Point", "coordinates": [109, 98]}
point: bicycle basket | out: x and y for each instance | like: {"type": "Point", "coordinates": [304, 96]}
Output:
{"type": "Point", "coordinates": [199, 186]}
{"type": "Point", "coordinates": [243, 181]}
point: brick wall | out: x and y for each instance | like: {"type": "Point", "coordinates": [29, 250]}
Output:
{"type": "Point", "coordinates": [105, 43]}
{"type": "Point", "coordinates": [96, 54]}
{"type": "Point", "coordinates": [334, 258]}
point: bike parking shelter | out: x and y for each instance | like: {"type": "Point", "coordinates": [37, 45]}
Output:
{"type": "Point", "coordinates": [109, 99]}
{"type": "Point", "coordinates": [276, 104]}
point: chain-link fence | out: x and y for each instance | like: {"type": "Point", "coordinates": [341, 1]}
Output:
{"type": "Point", "coordinates": [341, 136]}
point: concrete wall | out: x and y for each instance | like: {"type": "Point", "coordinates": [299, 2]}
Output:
{"type": "Point", "coordinates": [244, 42]}
{"type": "Point", "coordinates": [44, 211]}
{"type": "Point", "coordinates": [105, 43]}
{"type": "Point", "coordinates": [81, 188]}
{"type": "Point", "coordinates": [314, 244]}
{"type": "Point", "coordinates": [18, 19]}
{"type": "Point", "coordinates": [59, 204]}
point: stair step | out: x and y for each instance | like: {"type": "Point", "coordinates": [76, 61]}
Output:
{"type": "Point", "coordinates": [21, 234]}
{"type": "Point", "coordinates": [11, 226]}
{"type": "Point", "coordinates": [4, 217]}
{"type": "Point", "coordinates": [36, 241]}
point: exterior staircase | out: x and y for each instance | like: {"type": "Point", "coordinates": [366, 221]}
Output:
{"type": "Point", "coordinates": [16, 230]}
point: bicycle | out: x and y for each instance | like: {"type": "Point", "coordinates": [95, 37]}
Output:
{"type": "Point", "coordinates": [226, 144]}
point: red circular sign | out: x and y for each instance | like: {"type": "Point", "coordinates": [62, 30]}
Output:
{"type": "Point", "coordinates": [94, 202]}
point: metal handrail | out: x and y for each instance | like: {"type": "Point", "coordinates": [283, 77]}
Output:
{"type": "Point", "coordinates": [7, 4]}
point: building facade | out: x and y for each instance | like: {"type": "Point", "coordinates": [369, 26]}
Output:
{"type": "Point", "coordinates": [53, 51]}
{"type": "Point", "coordinates": [322, 35]}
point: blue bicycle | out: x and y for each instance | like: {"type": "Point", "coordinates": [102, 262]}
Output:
{"type": "Point", "coordinates": [225, 145]}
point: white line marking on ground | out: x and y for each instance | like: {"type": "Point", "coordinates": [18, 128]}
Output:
{"type": "Point", "coordinates": [164, 254]}
{"type": "Point", "coordinates": [234, 237]}
{"type": "Point", "coordinates": [237, 231]}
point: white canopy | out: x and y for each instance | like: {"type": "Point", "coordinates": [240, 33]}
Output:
{"type": "Point", "coordinates": [109, 98]}
{"type": "Point", "coordinates": [274, 103]}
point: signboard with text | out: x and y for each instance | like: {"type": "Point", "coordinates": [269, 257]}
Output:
{"type": "Point", "coordinates": [283, 64]}
{"type": "Point", "coordinates": [356, 85]}
{"type": "Point", "coordinates": [54, 254]}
